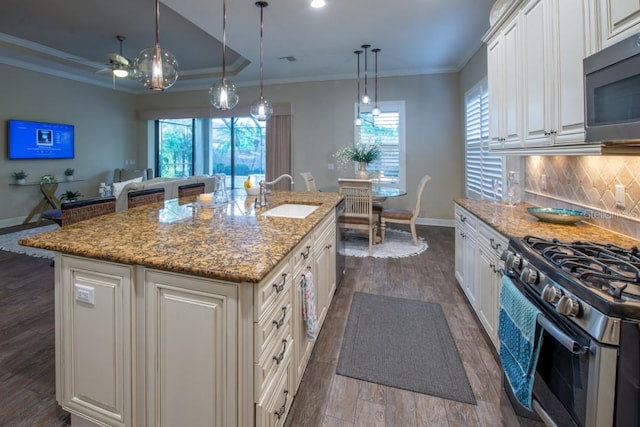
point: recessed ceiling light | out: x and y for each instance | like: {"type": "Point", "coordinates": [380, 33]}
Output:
{"type": "Point", "coordinates": [318, 3]}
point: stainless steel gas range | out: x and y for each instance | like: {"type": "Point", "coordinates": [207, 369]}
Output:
{"type": "Point", "coordinates": [588, 371]}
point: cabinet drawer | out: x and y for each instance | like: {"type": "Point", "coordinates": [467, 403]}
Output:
{"type": "Point", "coordinates": [272, 410]}
{"type": "Point", "coordinates": [466, 218]}
{"type": "Point", "coordinates": [301, 254]}
{"type": "Point", "coordinates": [490, 238]}
{"type": "Point", "coordinates": [270, 289]}
{"type": "Point", "coordinates": [272, 324]}
{"type": "Point", "coordinates": [272, 360]}
{"type": "Point", "coordinates": [325, 226]}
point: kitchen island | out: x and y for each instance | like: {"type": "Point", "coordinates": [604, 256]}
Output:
{"type": "Point", "coordinates": [175, 314]}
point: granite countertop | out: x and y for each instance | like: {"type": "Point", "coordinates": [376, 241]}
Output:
{"type": "Point", "coordinates": [233, 242]}
{"type": "Point", "coordinates": [515, 221]}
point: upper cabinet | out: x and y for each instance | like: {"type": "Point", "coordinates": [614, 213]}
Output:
{"type": "Point", "coordinates": [535, 55]}
{"type": "Point", "coordinates": [618, 20]}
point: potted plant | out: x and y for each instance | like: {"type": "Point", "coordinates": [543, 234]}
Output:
{"type": "Point", "coordinates": [361, 153]}
{"type": "Point", "coordinates": [68, 174]}
{"type": "Point", "coordinates": [20, 177]}
{"type": "Point", "coordinates": [70, 196]}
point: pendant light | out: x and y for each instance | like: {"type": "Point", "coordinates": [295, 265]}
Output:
{"type": "Point", "coordinates": [365, 97]}
{"type": "Point", "coordinates": [222, 94]}
{"type": "Point", "coordinates": [376, 110]}
{"type": "Point", "coordinates": [358, 121]}
{"type": "Point", "coordinates": [157, 68]}
{"type": "Point", "coordinates": [261, 109]}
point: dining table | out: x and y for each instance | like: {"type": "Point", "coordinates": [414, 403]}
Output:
{"type": "Point", "coordinates": [379, 194]}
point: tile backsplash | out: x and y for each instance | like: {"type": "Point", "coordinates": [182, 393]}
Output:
{"type": "Point", "coordinates": [588, 183]}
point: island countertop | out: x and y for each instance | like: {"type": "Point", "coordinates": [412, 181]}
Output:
{"type": "Point", "coordinates": [232, 242]}
{"type": "Point", "coordinates": [515, 221]}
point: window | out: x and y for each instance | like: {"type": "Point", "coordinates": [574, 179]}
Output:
{"type": "Point", "coordinates": [386, 129]}
{"type": "Point", "coordinates": [175, 147]}
{"type": "Point", "coordinates": [483, 169]}
{"type": "Point", "coordinates": [235, 146]}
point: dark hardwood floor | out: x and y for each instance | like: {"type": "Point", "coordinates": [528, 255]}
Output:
{"type": "Point", "coordinates": [27, 383]}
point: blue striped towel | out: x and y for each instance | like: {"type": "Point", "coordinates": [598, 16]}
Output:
{"type": "Point", "coordinates": [520, 340]}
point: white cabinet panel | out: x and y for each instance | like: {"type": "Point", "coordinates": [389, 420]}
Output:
{"type": "Point", "coordinates": [619, 19]}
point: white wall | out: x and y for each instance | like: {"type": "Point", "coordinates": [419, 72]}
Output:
{"type": "Point", "coordinates": [323, 122]}
{"type": "Point", "coordinates": [105, 134]}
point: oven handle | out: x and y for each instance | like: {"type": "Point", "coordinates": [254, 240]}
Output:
{"type": "Point", "coordinates": [560, 336]}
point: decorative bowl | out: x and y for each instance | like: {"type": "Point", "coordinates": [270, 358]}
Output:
{"type": "Point", "coordinates": [558, 215]}
{"type": "Point", "coordinates": [253, 191]}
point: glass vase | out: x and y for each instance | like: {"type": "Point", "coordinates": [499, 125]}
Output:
{"type": "Point", "coordinates": [362, 173]}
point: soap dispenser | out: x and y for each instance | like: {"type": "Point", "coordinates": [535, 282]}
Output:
{"type": "Point", "coordinates": [513, 188]}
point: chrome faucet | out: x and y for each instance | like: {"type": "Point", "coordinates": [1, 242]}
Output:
{"type": "Point", "coordinates": [262, 201]}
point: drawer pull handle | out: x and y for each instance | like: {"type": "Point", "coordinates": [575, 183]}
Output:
{"type": "Point", "coordinates": [280, 412]}
{"type": "Point", "coordinates": [279, 357]}
{"type": "Point", "coordinates": [280, 287]}
{"type": "Point", "coordinates": [493, 267]}
{"type": "Point", "coordinates": [278, 323]}
{"type": "Point", "coordinates": [305, 253]}
{"type": "Point", "coordinates": [494, 246]}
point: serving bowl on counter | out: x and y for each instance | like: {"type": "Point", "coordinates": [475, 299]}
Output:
{"type": "Point", "coordinates": [558, 215]}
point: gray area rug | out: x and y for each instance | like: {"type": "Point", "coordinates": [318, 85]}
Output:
{"type": "Point", "coordinates": [405, 344]}
{"type": "Point", "coordinates": [398, 244]}
{"type": "Point", "coordinates": [9, 242]}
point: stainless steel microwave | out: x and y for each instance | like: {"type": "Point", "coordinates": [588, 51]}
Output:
{"type": "Point", "coordinates": [612, 93]}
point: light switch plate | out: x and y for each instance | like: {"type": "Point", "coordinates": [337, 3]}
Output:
{"type": "Point", "coordinates": [620, 196]}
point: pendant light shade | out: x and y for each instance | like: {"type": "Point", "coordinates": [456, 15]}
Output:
{"type": "Point", "coordinates": [365, 97]}
{"type": "Point", "coordinates": [156, 68]}
{"type": "Point", "coordinates": [376, 110]}
{"type": "Point", "coordinates": [223, 93]}
{"type": "Point", "coordinates": [261, 109]}
{"type": "Point", "coordinates": [358, 120]}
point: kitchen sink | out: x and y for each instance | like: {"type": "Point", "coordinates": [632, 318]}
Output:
{"type": "Point", "coordinates": [291, 211]}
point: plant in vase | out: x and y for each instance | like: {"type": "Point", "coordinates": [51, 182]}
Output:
{"type": "Point", "coordinates": [361, 153]}
{"type": "Point", "coordinates": [20, 177]}
{"type": "Point", "coordinates": [68, 174]}
{"type": "Point", "coordinates": [70, 196]}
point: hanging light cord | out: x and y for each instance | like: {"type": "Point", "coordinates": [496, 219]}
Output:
{"type": "Point", "coordinates": [376, 81]}
{"type": "Point", "coordinates": [224, 39]}
{"type": "Point", "coordinates": [262, 5]}
{"type": "Point", "coordinates": [157, 22]}
{"type": "Point", "coordinates": [358, 52]}
{"type": "Point", "coordinates": [365, 47]}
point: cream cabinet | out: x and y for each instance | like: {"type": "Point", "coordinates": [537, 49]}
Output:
{"type": "Point", "coordinates": [618, 20]}
{"type": "Point", "coordinates": [555, 39]}
{"type": "Point", "coordinates": [477, 264]}
{"type": "Point", "coordinates": [491, 244]}
{"type": "Point", "coordinates": [191, 328]}
{"type": "Point", "coordinates": [94, 332]}
{"type": "Point", "coordinates": [505, 94]}
{"type": "Point", "coordinates": [535, 75]}
{"type": "Point", "coordinates": [302, 261]}
{"type": "Point", "coordinates": [465, 252]}
{"type": "Point", "coordinates": [324, 258]}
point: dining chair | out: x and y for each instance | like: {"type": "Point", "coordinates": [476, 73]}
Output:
{"type": "Point", "coordinates": [79, 210]}
{"type": "Point", "coordinates": [358, 213]}
{"type": "Point", "coordinates": [404, 216]}
{"type": "Point", "coordinates": [309, 181]}
{"type": "Point", "coordinates": [144, 197]}
{"type": "Point", "coordinates": [190, 190]}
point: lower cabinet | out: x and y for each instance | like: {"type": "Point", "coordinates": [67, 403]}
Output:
{"type": "Point", "coordinates": [478, 250]}
{"type": "Point", "coordinates": [144, 347]}
{"type": "Point", "coordinates": [93, 327]}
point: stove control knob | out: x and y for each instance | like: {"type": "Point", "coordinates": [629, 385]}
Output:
{"type": "Point", "coordinates": [551, 294]}
{"type": "Point", "coordinates": [529, 275]}
{"type": "Point", "coordinates": [568, 306]}
{"type": "Point", "coordinates": [512, 261]}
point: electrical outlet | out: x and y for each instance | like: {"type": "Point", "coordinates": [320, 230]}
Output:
{"type": "Point", "coordinates": [620, 196]}
{"type": "Point", "coordinates": [543, 182]}
{"type": "Point", "coordinates": [84, 294]}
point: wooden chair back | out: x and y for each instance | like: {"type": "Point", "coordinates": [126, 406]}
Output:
{"type": "Point", "coordinates": [190, 190]}
{"type": "Point", "coordinates": [358, 212]}
{"type": "Point", "coordinates": [76, 211]}
{"type": "Point", "coordinates": [144, 197]}
{"type": "Point", "coordinates": [421, 184]}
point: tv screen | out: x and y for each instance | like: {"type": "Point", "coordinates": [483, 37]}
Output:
{"type": "Point", "coordinates": [38, 140]}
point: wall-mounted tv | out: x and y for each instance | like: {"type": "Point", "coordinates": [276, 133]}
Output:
{"type": "Point", "coordinates": [38, 140]}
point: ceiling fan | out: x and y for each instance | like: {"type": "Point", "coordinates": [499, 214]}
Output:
{"type": "Point", "coordinates": [118, 65]}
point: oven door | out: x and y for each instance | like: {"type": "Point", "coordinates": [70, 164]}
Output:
{"type": "Point", "coordinates": [575, 375]}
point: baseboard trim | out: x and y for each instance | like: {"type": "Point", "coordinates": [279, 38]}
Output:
{"type": "Point", "coordinates": [10, 222]}
{"type": "Point", "coordinates": [437, 222]}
